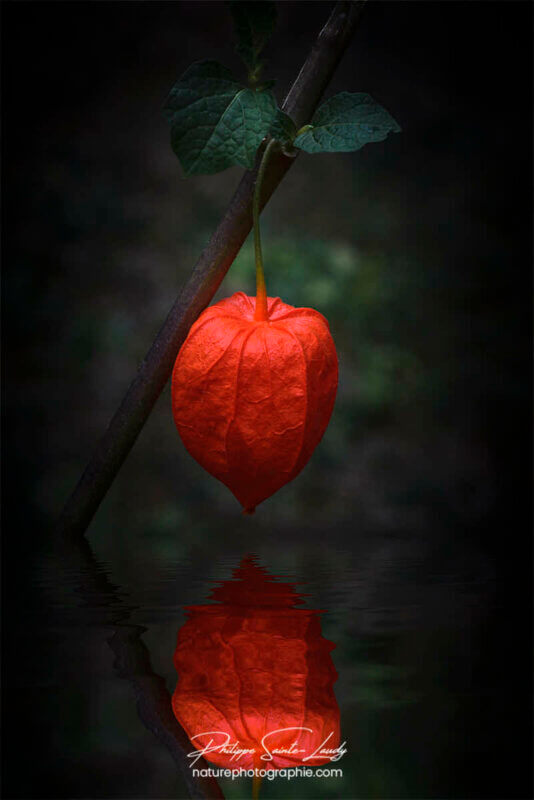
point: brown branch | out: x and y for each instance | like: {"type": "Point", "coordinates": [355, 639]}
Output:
{"type": "Point", "coordinates": [208, 273]}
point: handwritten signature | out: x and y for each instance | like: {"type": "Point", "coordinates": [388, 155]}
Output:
{"type": "Point", "coordinates": [237, 752]}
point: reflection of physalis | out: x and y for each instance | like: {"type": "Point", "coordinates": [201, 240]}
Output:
{"type": "Point", "coordinates": [255, 686]}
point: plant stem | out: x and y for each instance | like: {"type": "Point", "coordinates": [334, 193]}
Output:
{"type": "Point", "coordinates": [260, 314]}
{"type": "Point", "coordinates": [256, 784]}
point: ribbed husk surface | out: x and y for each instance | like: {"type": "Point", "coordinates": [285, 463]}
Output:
{"type": "Point", "coordinates": [250, 666]}
{"type": "Point", "coordinates": [251, 400]}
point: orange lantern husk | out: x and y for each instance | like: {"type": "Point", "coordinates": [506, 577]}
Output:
{"type": "Point", "coordinates": [256, 673]}
{"type": "Point", "coordinates": [252, 398]}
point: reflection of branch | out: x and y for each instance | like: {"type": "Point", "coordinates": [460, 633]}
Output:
{"type": "Point", "coordinates": [132, 662]}
{"type": "Point", "coordinates": [207, 275]}
{"type": "Point", "coordinates": [154, 706]}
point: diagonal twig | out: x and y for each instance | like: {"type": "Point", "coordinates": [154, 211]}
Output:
{"type": "Point", "coordinates": [207, 275]}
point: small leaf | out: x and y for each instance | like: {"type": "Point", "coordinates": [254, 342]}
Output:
{"type": "Point", "coordinates": [346, 122]}
{"type": "Point", "coordinates": [215, 122]}
{"type": "Point", "coordinates": [283, 128]}
{"type": "Point", "coordinates": [254, 23]}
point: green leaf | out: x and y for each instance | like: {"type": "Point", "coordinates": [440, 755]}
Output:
{"type": "Point", "coordinates": [216, 122]}
{"type": "Point", "coordinates": [346, 122]}
{"type": "Point", "coordinates": [283, 128]}
{"type": "Point", "coordinates": [254, 23]}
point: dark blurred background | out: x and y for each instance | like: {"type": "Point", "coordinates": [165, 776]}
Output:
{"type": "Point", "coordinates": [417, 250]}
